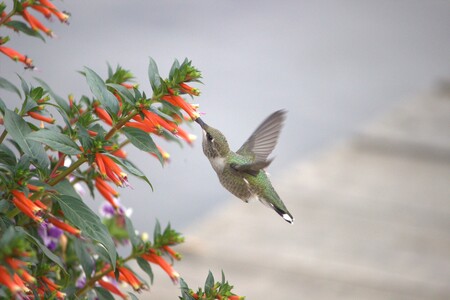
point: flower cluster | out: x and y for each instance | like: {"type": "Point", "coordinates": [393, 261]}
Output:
{"type": "Point", "coordinates": [26, 10]}
{"type": "Point", "coordinates": [220, 290]}
{"type": "Point", "coordinates": [54, 151]}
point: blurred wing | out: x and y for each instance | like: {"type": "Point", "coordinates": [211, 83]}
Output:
{"type": "Point", "coordinates": [261, 143]}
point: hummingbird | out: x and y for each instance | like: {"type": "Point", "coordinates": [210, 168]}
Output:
{"type": "Point", "coordinates": [242, 172]}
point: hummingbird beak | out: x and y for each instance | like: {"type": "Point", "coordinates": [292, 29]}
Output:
{"type": "Point", "coordinates": [201, 123]}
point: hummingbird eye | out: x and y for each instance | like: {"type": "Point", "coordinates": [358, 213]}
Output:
{"type": "Point", "coordinates": [209, 137]}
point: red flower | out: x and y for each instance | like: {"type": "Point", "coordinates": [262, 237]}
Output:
{"type": "Point", "coordinates": [40, 117]}
{"type": "Point", "coordinates": [189, 138]}
{"type": "Point", "coordinates": [109, 168]}
{"type": "Point", "coordinates": [64, 226]}
{"type": "Point", "coordinates": [35, 24]}
{"type": "Point", "coordinates": [142, 126]}
{"type": "Point", "coordinates": [6, 280]}
{"type": "Point", "coordinates": [60, 15]}
{"type": "Point", "coordinates": [156, 121]}
{"type": "Point", "coordinates": [116, 152]}
{"type": "Point", "coordinates": [179, 102]}
{"type": "Point", "coordinates": [14, 55]}
{"type": "Point", "coordinates": [165, 155]}
{"type": "Point", "coordinates": [152, 257]}
{"type": "Point", "coordinates": [27, 206]}
{"type": "Point", "coordinates": [107, 191]}
{"type": "Point", "coordinates": [127, 276]}
{"type": "Point", "coordinates": [51, 286]}
{"type": "Point", "coordinates": [189, 90]}
{"type": "Point", "coordinates": [43, 10]}
{"type": "Point", "coordinates": [103, 115]}
{"type": "Point", "coordinates": [112, 288]}
{"type": "Point", "coordinates": [172, 252]}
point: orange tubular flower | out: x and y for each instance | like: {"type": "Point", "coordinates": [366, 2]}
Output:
{"type": "Point", "coordinates": [158, 121]}
{"type": "Point", "coordinates": [165, 155]}
{"type": "Point", "coordinates": [142, 126]}
{"type": "Point", "coordinates": [178, 101]}
{"type": "Point", "coordinates": [189, 90]}
{"type": "Point", "coordinates": [172, 252]}
{"type": "Point", "coordinates": [53, 287]}
{"type": "Point", "coordinates": [106, 191]}
{"type": "Point", "coordinates": [112, 170]}
{"type": "Point", "coordinates": [35, 23]}
{"type": "Point", "coordinates": [156, 259]}
{"type": "Point", "coordinates": [14, 55]}
{"type": "Point", "coordinates": [116, 152]}
{"type": "Point", "coordinates": [40, 117]}
{"type": "Point", "coordinates": [131, 279]}
{"type": "Point", "coordinates": [92, 133]}
{"type": "Point", "coordinates": [112, 288]}
{"type": "Point", "coordinates": [17, 280]}
{"type": "Point", "coordinates": [189, 138]}
{"type": "Point", "coordinates": [103, 115]}
{"type": "Point", "coordinates": [43, 10]}
{"type": "Point", "coordinates": [100, 164]}
{"type": "Point", "coordinates": [27, 206]}
{"type": "Point", "coordinates": [101, 182]}
{"type": "Point", "coordinates": [60, 15]}
{"type": "Point", "coordinates": [6, 280]}
{"type": "Point", "coordinates": [64, 226]}
{"type": "Point", "coordinates": [27, 277]}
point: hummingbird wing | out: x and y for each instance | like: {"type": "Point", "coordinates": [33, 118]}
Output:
{"type": "Point", "coordinates": [251, 168]}
{"type": "Point", "coordinates": [263, 140]}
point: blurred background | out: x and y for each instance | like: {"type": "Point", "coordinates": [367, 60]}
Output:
{"type": "Point", "coordinates": [335, 66]}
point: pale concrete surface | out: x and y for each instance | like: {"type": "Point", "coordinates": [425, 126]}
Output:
{"type": "Point", "coordinates": [372, 220]}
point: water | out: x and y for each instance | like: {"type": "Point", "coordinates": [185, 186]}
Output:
{"type": "Point", "coordinates": [333, 66]}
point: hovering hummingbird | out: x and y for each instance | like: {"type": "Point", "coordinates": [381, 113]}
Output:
{"type": "Point", "coordinates": [242, 172]}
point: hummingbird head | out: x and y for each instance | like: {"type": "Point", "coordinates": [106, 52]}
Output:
{"type": "Point", "coordinates": [214, 142]}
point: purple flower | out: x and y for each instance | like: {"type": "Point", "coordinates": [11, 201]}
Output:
{"type": "Point", "coordinates": [50, 235]}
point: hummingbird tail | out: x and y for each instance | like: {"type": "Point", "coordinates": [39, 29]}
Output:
{"type": "Point", "coordinates": [284, 214]}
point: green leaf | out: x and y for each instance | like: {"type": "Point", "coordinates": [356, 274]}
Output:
{"type": "Point", "coordinates": [209, 284]}
{"type": "Point", "coordinates": [50, 255]}
{"type": "Point", "coordinates": [124, 92]}
{"type": "Point", "coordinates": [37, 93]}
{"type": "Point", "coordinates": [185, 294]}
{"type": "Point", "coordinates": [153, 75]}
{"type": "Point", "coordinates": [90, 224]}
{"type": "Point", "coordinates": [103, 294]}
{"type": "Point", "coordinates": [7, 156]}
{"type": "Point", "coordinates": [98, 88]}
{"type": "Point", "coordinates": [142, 140]}
{"type": "Point", "coordinates": [84, 137]}
{"type": "Point", "coordinates": [24, 85]}
{"type": "Point", "coordinates": [59, 100]}
{"type": "Point", "coordinates": [133, 296]}
{"type": "Point", "coordinates": [19, 130]}
{"type": "Point", "coordinates": [66, 188]}
{"type": "Point", "coordinates": [86, 260]}
{"type": "Point", "coordinates": [145, 266]}
{"type": "Point", "coordinates": [134, 239]}
{"type": "Point", "coordinates": [20, 26]}
{"type": "Point", "coordinates": [5, 84]}
{"type": "Point", "coordinates": [2, 106]}
{"type": "Point", "coordinates": [157, 230]}
{"type": "Point", "coordinates": [55, 140]}
{"type": "Point", "coordinates": [131, 168]}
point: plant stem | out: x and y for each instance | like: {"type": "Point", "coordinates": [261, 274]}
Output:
{"type": "Point", "coordinates": [67, 171]}
{"type": "Point", "coordinates": [2, 137]}
{"type": "Point", "coordinates": [10, 14]}
{"type": "Point", "coordinates": [120, 124]}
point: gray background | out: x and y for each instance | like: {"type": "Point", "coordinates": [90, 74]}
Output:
{"type": "Point", "coordinates": [333, 65]}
